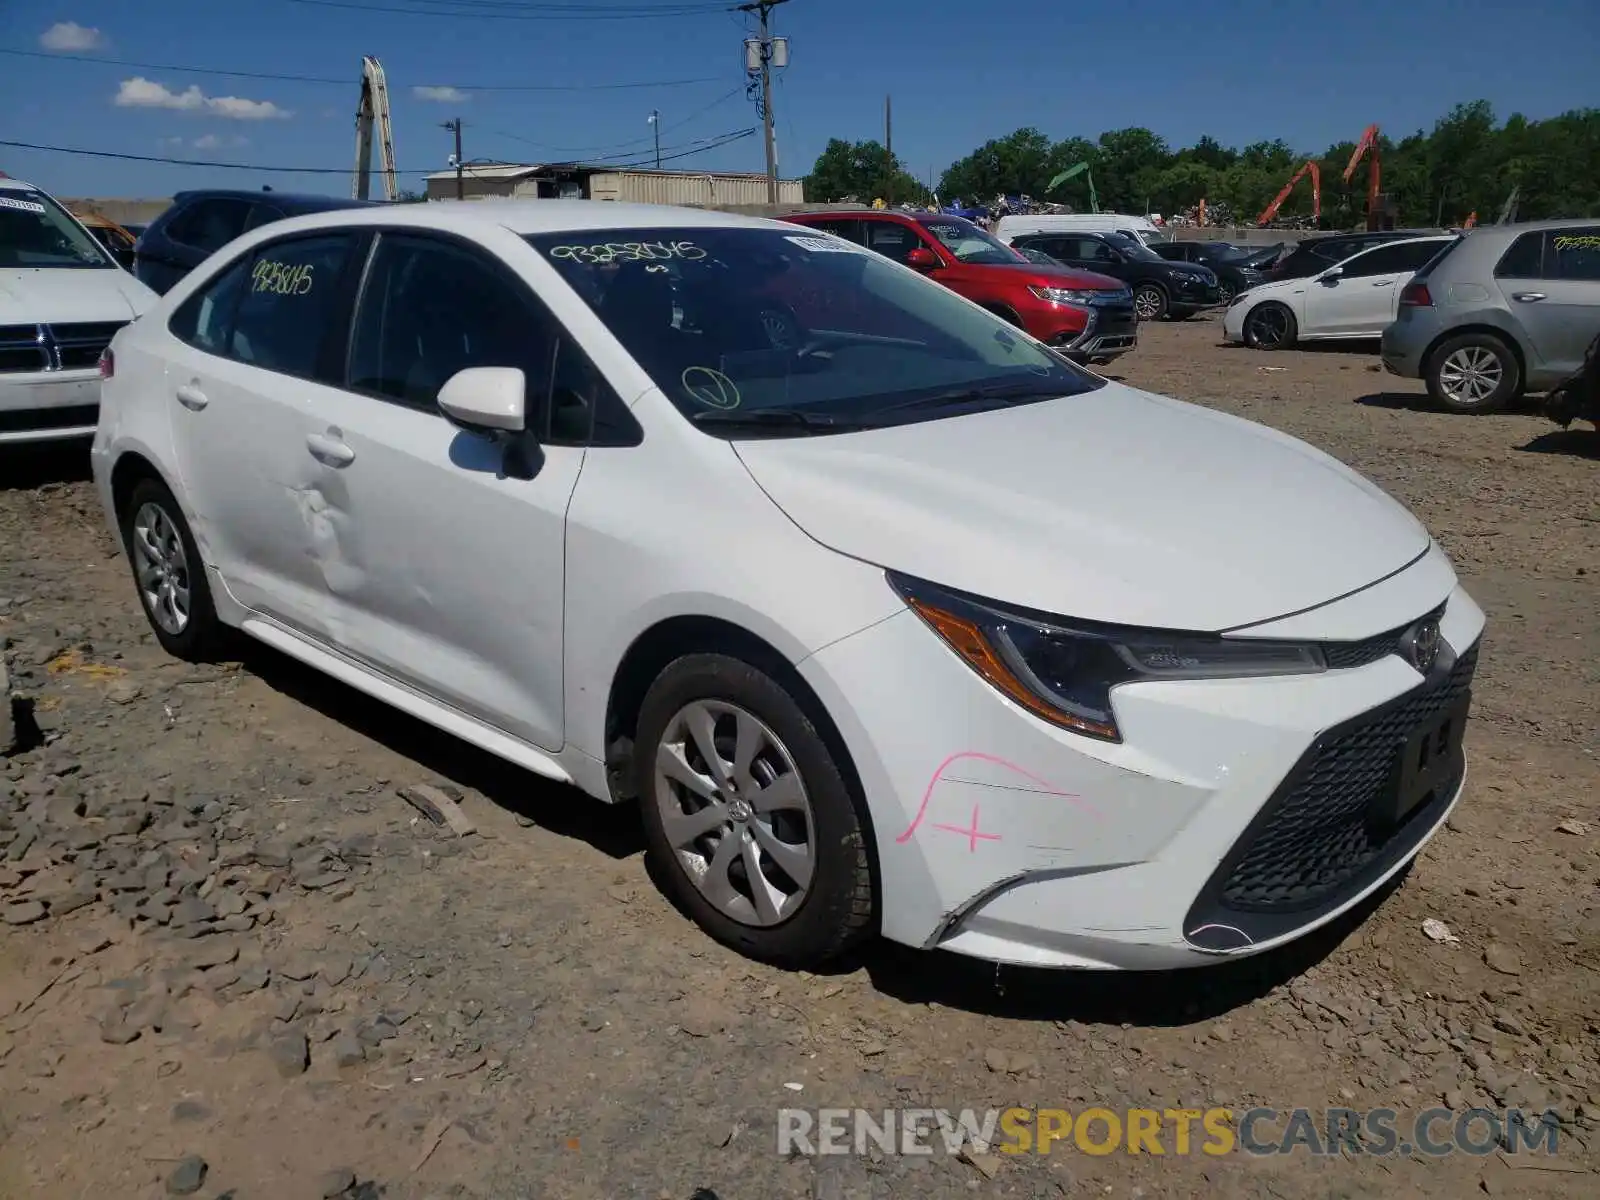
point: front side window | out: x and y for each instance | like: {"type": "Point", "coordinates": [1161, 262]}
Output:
{"type": "Point", "coordinates": [35, 231]}
{"type": "Point", "coordinates": [892, 239]}
{"type": "Point", "coordinates": [1393, 259]}
{"type": "Point", "coordinates": [431, 308]}
{"type": "Point", "coordinates": [969, 243]}
{"type": "Point", "coordinates": [1574, 254]}
{"type": "Point", "coordinates": [205, 319]}
{"type": "Point", "coordinates": [1524, 259]}
{"type": "Point", "coordinates": [289, 295]}
{"type": "Point", "coordinates": [795, 326]}
{"type": "Point", "coordinates": [209, 224]}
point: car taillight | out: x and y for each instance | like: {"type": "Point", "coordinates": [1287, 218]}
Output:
{"type": "Point", "coordinates": [1415, 295]}
{"type": "Point", "coordinates": [108, 363]}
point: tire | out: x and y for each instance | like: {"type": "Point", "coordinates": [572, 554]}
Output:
{"type": "Point", "coordinates": [1225, 292]}
{"type": "Point", "coordinates": [1149, 302]}
{"type": "Point", "coordinates": [1270, 326]}
{"type": "Point", "coordinates": [168, 573]}
{"type": "Point", "coordinates": [803, 923]}
{"type": "Point", "coordinates": [1474, 373]}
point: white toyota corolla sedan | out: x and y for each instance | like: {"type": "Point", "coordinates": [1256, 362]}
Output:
{"type": "Point", "coordinates": [890, 617]}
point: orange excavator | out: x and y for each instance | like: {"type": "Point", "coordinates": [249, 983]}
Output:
{"type": "Point", "coordinates": [1316, 193]}
{"type": "Point", "coordinates": [1368, 145]}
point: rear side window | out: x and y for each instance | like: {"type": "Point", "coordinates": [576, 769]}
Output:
{"type": "Point", "coordinates": [1574, 254]}
{"type": "Point", "coordinates": [1393, 260]}
{"type": "Point", "coordinates": [1524, 258]}
{"type": "Point", "coordinates": [289, 298]}
{"type": "Point", "coordinates": [209, 224]}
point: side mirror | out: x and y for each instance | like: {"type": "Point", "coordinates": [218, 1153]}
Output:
{"type": "Point", "coordinates": [1331, 275]}
{"type": "Point", "coordinates": [489, 402]}
{"type": "Point", "coordinates": [923, 259]}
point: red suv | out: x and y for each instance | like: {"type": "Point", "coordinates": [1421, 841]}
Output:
{"type": "Point", "coordinates": [1088, 317]}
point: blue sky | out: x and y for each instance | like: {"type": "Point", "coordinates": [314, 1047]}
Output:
{"type": "Point", "coordinates": [960, 73]}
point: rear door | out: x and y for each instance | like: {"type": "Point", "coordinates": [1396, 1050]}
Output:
{"type": "Point", "coordinates": [1561, 309]}
{"type": "Point", "coordinates": [1360, 301]}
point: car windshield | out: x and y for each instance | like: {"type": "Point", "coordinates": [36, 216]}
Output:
{"type": "Point", "coordinates": [35, 231]}
{"type": "Point", "coordinates": [969, 243]}
{"type": "Point", "coordinates": [794, 332]}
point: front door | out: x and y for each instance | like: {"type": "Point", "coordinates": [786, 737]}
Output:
{"type": "Point", "coordinates": [250, 359]}
{"type": "Point", "coordinates": [448, 576]}
{"type": "Point", "coordinates": [1362, 299]}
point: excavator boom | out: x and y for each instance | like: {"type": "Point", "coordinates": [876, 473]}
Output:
{"type": "Point", "coordinates": [1316, 193]}
{"type": "Point", "coordinates": [372, 115]}
{"type": "Point", "coordinates": [1368, 144]}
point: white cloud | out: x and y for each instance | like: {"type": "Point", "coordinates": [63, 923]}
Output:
{"type": "Point", "coordinates": [69, 35]}
{"type": "Point", "coordinates": [140, 92]}
{"type": "Point", "coordinates": [440, 95]}
{"type": "Point", "coordinates": [209, 142]}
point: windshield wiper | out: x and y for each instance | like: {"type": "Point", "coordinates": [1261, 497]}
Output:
{"type": "Point", "coordinates": [977, 395]}
{"type": "Point", "coordinates": [775, 419]}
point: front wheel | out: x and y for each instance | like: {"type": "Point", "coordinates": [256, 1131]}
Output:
{"type": "Point", "coordinates": [1149, 302]}
{"type": "Point", "coordinates": [1474, 373]}
{"type": "Point", "coordinates": [748, 814]}
{"type": "Point", "coordinates": [1270, 327]}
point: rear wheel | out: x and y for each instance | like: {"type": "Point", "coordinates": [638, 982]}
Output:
{"type": "Point", "coordinates": [168, 573]}
{"type": "Point", "coordinates": [1270, 326]}
{"type": "Point", "coordinates": [749, 816]}
{"type": "Point", "coordinates": [1226, 292]}
{"type": "Point", "coordinates": [1474, 373]}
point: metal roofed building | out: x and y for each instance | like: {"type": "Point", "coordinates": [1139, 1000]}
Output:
{"type": "Point", "coordinates": [577, 181]}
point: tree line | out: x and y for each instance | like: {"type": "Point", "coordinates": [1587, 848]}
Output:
{"type": "Point", "coordinates": [1468, 163]}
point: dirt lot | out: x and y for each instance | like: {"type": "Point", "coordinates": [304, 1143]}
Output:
{"type": "Point", "coordinates": [226, 935]}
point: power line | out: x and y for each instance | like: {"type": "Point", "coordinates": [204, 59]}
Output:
{"type": "Point", "coordinates": [711, 144]}
{"type": "Point", "coordinates": [352, 79]}
{"type": "Point", "coordinates": [694, 116]}
{"type": "Point", "coordinates": [477, 10]}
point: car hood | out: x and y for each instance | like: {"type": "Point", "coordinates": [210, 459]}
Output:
{"type": "Point", "coordinates": [1115, 506]}
{"type": "Point", "coordinates": [1070, 277]}
{"type": "Point", "coordinates": [45, 296]}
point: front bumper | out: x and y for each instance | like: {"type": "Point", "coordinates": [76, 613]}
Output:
{"type": "Point", "coordinates": [1189, 297]}
{"type": "Point", "coordinates": [1005, 838]}
{"type": "Point", "coordinates": [39, 406]}
{"type": "Point", "coordinates": [1112, 330]}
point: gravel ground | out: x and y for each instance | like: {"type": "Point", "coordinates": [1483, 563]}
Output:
{"type": "Point", "coordinates": [236, 960]}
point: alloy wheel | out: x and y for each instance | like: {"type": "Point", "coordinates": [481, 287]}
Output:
{"type": "Point", "coordinates": [1147, 304]}
{"type": "Point", "coordinates": [1269, 325]}
{"type": "Point", "coordinates": [1470, 375]}
{"type": "Point", "coordinates": [735, 811]}
{"type": "Point", "coordinates": [162, 568]}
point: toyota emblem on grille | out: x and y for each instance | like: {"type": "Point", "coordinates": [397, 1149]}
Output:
{"type": "Point", "coordinates": [1420, 645]}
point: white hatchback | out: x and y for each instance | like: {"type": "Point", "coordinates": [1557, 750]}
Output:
{"type": "Point", "coordinates": [892, 618]}
{"type": "Point", "coordinates": [1356, 298]}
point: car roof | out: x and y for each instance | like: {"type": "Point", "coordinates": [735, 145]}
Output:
{"type": "Point", "coordinates": [19, 185]}
{"type": "Point", "coordinates": [289, 201]}
{"type": "Point", "coordinates": [524, 217]}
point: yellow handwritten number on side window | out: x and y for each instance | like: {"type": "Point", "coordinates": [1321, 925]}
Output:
{"type": "Point", "coordinates": [281, 279]}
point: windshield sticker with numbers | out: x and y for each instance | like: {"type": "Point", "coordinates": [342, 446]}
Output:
{"type": "Point", "coordinates": [21, 205]}
{"type": "Point", "coordinates": [824, 245]}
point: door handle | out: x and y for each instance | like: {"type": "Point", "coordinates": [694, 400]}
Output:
{"type": "Point", "coordinates": [1528, 297]}
{"type": "Point", "coordinates": [330, 448]}
{"type": "Point", "coordinates": [1383, 283]}
{"type": "Point", "coordinates": [191, 397]}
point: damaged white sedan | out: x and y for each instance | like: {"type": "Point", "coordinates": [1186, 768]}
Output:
{"type": "Point", "coordinates": [891, 618]}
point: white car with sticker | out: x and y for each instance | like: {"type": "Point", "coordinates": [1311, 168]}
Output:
{"type": "Point", "coordinates": [62, 297]}
{"type": "Point", "coordinates": [891, 618]}
{"type": "Point", "coordinates": [1356, 298]}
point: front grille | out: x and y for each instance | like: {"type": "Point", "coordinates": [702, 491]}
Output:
{"type": "Point", "coordinates": [1315, 843]}
{"type": "Point", "coordinates": [66, 347]}
{"type": "Point", "coordinates": [22, 348]}
{"type": "Point", "coordinates": [1344, 655]}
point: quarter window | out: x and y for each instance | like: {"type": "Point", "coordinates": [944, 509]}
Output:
{"type": "Point", "coordinates": [429, 309]}
{"type": "Point", "coordinates": [1574, 254]}
{"type": "Point", "coordinates": [288, 299]}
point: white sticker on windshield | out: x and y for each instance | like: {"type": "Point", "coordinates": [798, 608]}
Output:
{"type": "Point", "coordinates": [824, 245]}
{"type": "Point", "coordinates": [21, 205]}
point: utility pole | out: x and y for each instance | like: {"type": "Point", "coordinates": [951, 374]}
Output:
{"type": "Point", "coordinates": [655, 123]}
{"type": "Point", "coordinates": [461, 186]}
{"type": "Point", "coordinates": [765, 47]}
{"type": "Point", "coordinates": [888, 145]}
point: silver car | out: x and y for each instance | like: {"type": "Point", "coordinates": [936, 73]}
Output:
{"type": "Point", "coordinates": [1507, 309]}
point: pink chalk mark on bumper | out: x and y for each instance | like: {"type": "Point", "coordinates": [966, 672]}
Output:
{"type": "Point", "coordinates": [972, 833]}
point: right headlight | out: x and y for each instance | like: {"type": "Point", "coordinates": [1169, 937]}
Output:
{"type": "Point", "coordinates": [1064, 295]}
{"type": "Point", "coordinates": [1064, 672]}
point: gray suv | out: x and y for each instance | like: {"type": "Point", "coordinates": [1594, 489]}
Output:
{"type": "Point", "coordinates": [1506, 309]}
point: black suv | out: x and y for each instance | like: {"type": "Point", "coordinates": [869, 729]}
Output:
{"type": "Point", "coordinates": [198, 223]}
{"type": "Point", "coordinates": [1160, 288]}
{"type": "Point", "coordinates": [1234, 266]}
{"type": "Point", "coordinates": [1315, 254]}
